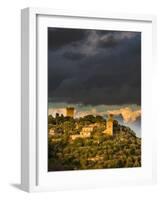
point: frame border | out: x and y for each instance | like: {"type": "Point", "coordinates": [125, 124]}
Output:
{"type": "Point", "coordinates": [29, 144]}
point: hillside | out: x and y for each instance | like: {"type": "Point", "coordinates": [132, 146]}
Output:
{"type": "Point", "coordinates": [98, 151]}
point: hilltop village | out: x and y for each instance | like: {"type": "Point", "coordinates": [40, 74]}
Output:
{"type": "Point", "coordinates": [90, 142]}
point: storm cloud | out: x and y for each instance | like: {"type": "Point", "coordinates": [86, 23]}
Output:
{"type": "Point", "coordinates": [94, 66]}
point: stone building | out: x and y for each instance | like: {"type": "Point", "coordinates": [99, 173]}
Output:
{"type": "Point", "coordinates": [85, 132]}
{"type": "Point", "coordinates": [73, 137]}
{"type": "Point", "coordinates": [52, 132]}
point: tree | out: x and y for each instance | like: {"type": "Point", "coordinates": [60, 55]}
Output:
{"type": "Point", "coordinates": [100, 119]}
{"type": "Point", "coordinates": [129, 162]}
{"type": "Point", "coordinates": [119, 163]}
{"type": "Point", "coordinates": [68, 125]}
{"type": "Point", "coordinates": [51, 119]}
{"type": "Point", "coordinates": [78, 142]}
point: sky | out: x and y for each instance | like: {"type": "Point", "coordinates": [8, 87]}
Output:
{"type": "Point", "coordinates": [94, 67]}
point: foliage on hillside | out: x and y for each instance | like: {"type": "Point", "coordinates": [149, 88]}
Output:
{"type": "Point", "coordinates": [99, 151]}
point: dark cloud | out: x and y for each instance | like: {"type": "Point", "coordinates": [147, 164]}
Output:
{"type": "Point", "coordinates": [110, 41]}
{"type": "Point", "coordinates": [73, 55]}
{"type": "Point", "coordinates": [58, 38]}
{"type": "Point", "coordinates": [94, 67]}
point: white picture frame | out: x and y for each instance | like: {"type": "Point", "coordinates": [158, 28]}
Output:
{"type": "Point", "coordinates": [33, 175]}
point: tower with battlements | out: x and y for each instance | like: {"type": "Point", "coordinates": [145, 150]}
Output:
{"type": "Point", "coordinates": [70, 111]}
{"type": "Point", "coordinates": [109, 126]}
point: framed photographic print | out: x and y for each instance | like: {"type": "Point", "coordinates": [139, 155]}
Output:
{"type": "Point", "coordinates": [87, 117]}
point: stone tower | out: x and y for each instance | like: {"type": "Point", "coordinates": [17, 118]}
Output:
{"type": "Point", "coordinates": [70, 111]}
{"type": "Point", "coordinates": [109, 126]}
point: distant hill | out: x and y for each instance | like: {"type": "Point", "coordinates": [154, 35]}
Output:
{"type": "Point", "coordinates": [135, 125]}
